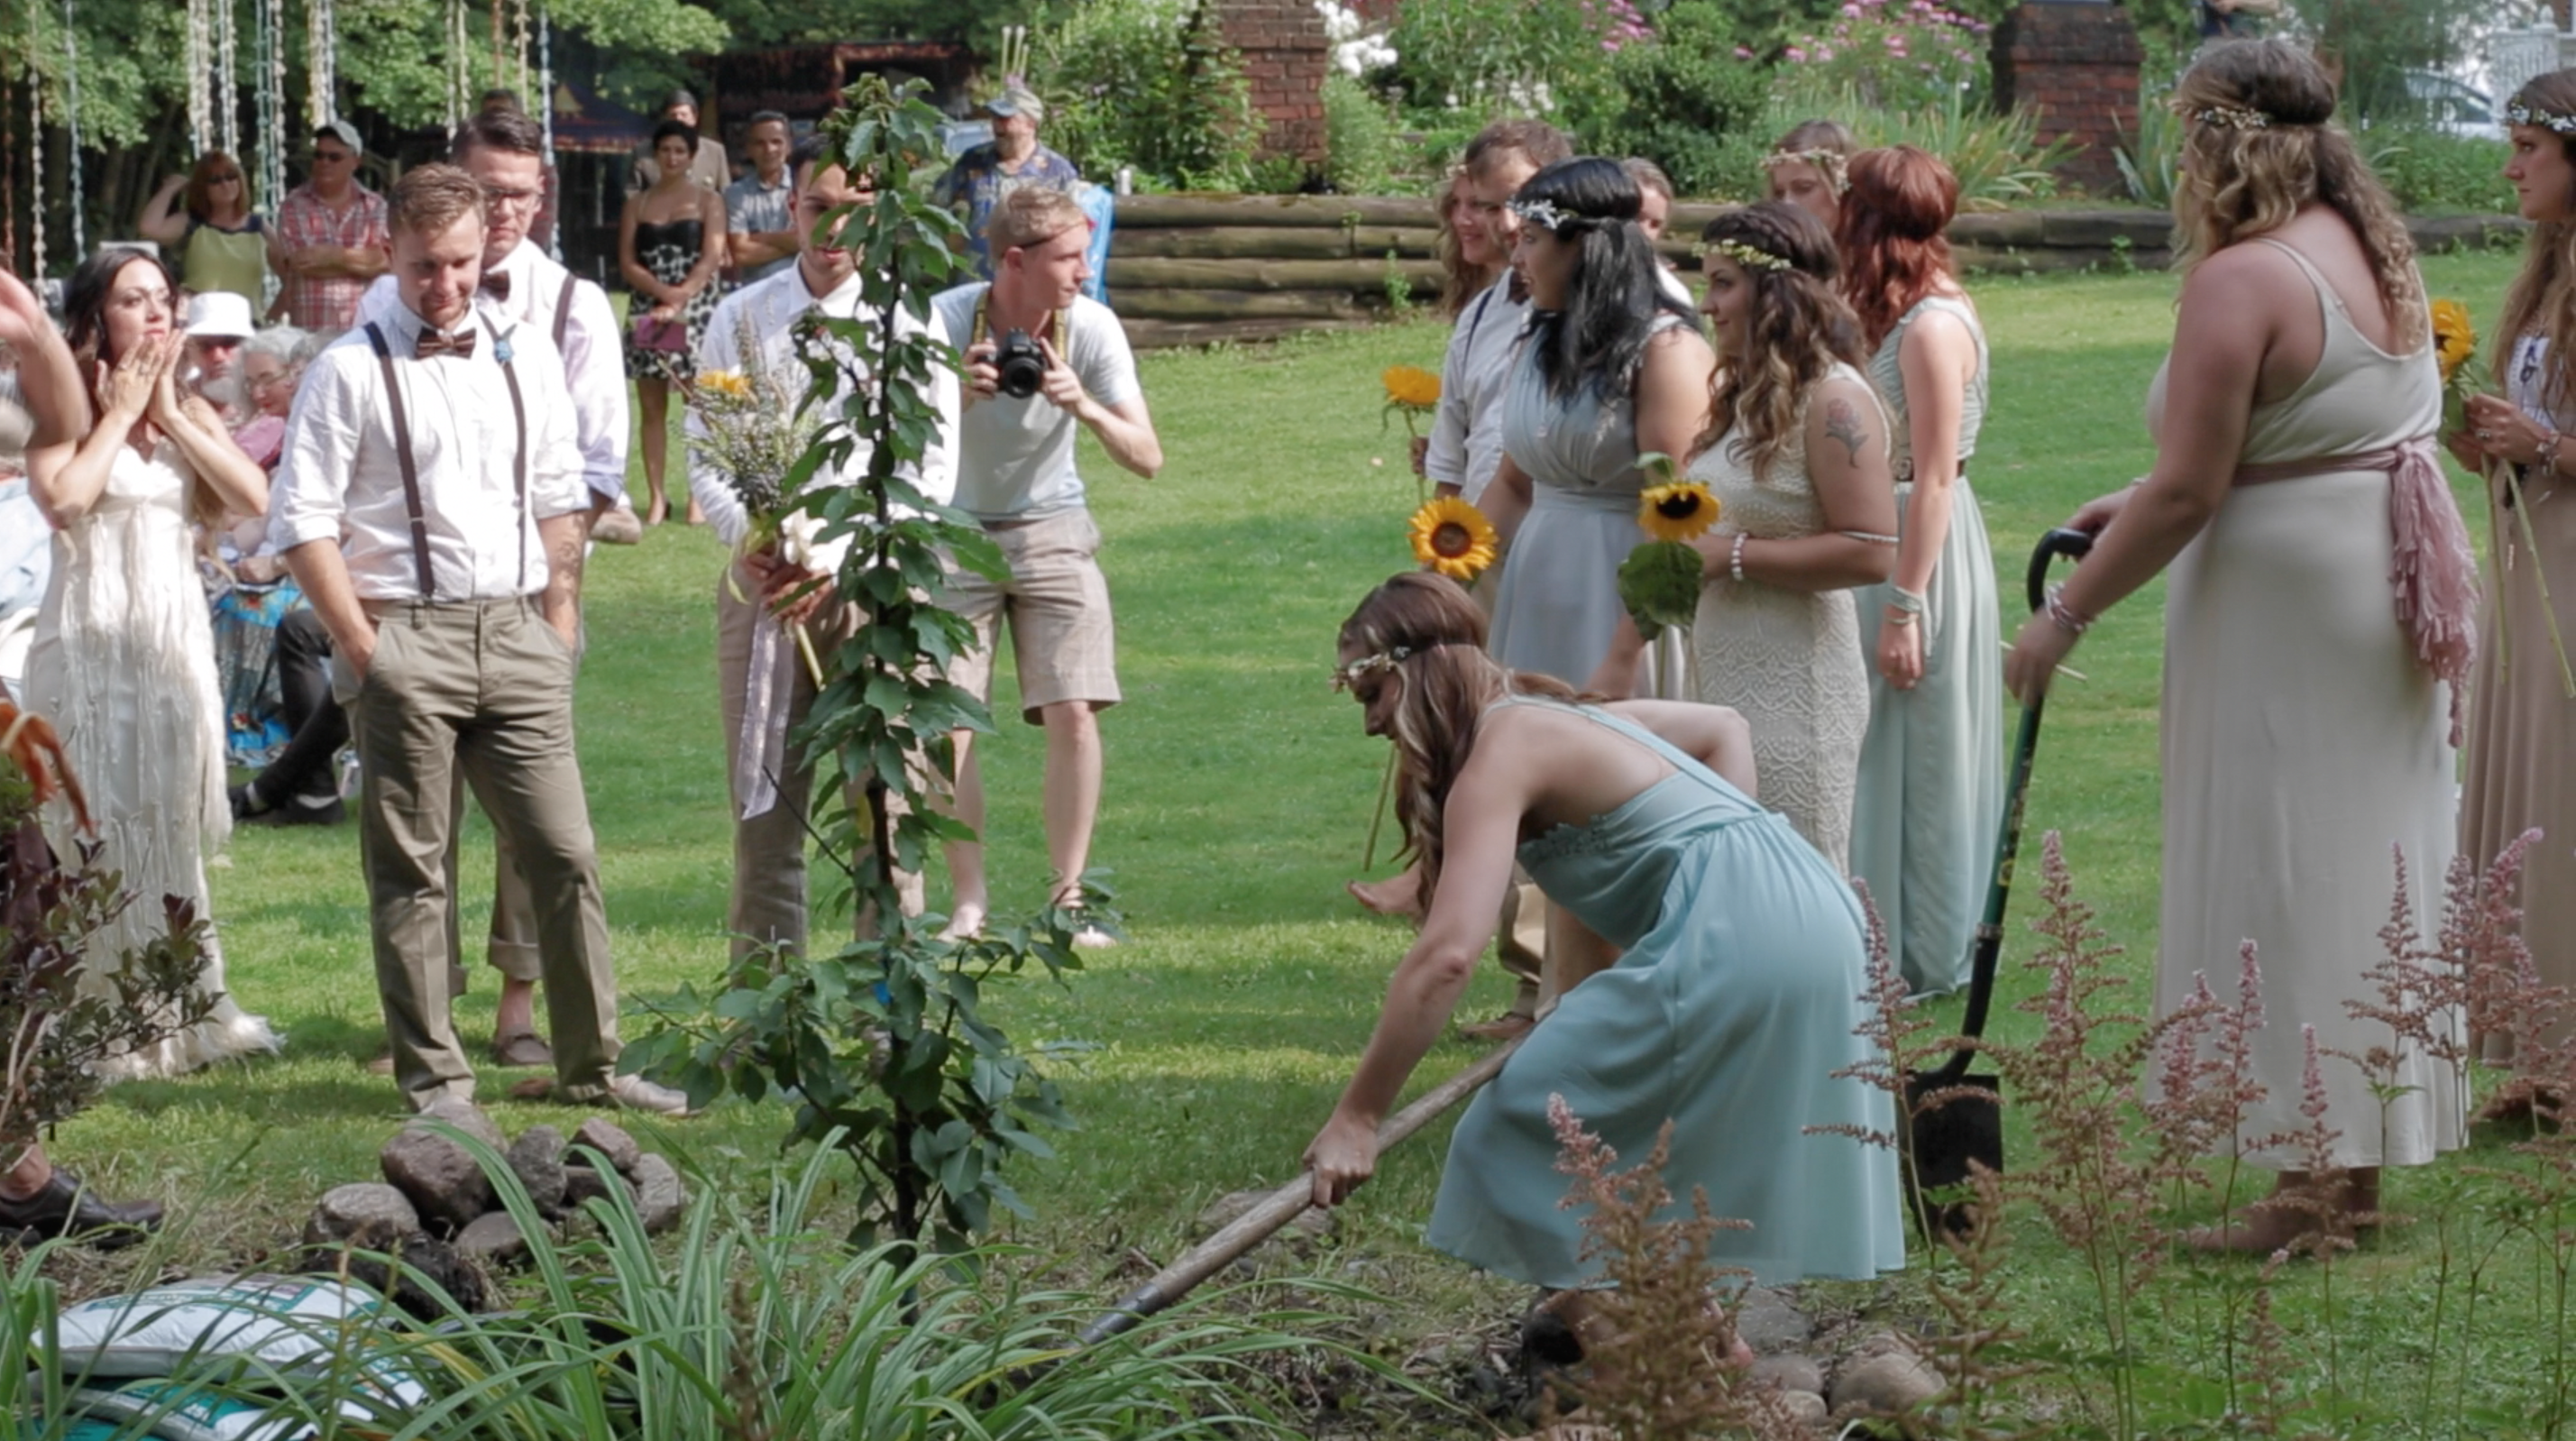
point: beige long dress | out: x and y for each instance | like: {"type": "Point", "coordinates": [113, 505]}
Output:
{"type": "Point", "coordinates": [1789, 660]}
{"type": "Point", "coordinates": [2301, 741]}
{"type": "Point", "coordinates": [2521, 773]}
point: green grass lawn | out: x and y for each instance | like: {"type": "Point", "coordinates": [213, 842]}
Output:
{"type": "Point", "coordinates": [1239, 792]}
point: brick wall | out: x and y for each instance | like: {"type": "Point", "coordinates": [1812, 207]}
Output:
{"type": "Point", "coordinates": [2077, 65]}
{"type": "Point", "coordinates": [1285, 53]}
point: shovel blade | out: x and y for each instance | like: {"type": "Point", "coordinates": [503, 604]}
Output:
{"type": "Point", "coordinates": [1942, 1143]}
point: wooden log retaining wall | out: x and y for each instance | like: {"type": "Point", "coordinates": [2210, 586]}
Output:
{"type": "Point", "coordinates": [1197, 269]}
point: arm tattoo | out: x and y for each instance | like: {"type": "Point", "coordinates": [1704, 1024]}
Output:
{"type": "Point", "coordinates": [1842, 422]}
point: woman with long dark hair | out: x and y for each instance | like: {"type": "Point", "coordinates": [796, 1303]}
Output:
{"type": "Point", "coordinates": [1729, 1007]}
{"type": "Point", "coordinates": [2521, 723]}
{"type": "Point", "coordinates": [204, 217]}
{"type": "Point", "coordinates": [1798, 461]}
{"type": "Point", "coordinates": [1611, 368]}
{"type": "Point", "coordinates": [670, 240]}
{"type": "Point", "coordinates": [2320, 599]}
{"type": "Point", "coordinates": [1931, 772]}
{"type": "Point", "coordinates": [124, 660]}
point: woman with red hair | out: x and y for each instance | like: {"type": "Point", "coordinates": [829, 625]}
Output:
{"type": "Point", "coordinates": [1931, 770]}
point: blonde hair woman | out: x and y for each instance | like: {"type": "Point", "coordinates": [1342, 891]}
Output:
{"type": "Point", "coordinates": [2319, 602]}
{"type": "Point", "coordinates": [2521, 718]}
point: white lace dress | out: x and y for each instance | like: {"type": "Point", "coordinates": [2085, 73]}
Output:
{"type": "Point", "coordinates": [1790, 660]}
{"type": "Point", "coordinates": [124, 666]}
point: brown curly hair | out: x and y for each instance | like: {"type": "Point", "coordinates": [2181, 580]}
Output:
{"type": "Point", "coordinates": [1800, 328]}
{"type": "Point", "coordinates": [1894, 234]}
{"type": "Point", "coordinates": [2542, 299]}
{"type": "Point", "coordinates": [1444, 680]}
{"type": "Point", "coordinates": [2259, 141]}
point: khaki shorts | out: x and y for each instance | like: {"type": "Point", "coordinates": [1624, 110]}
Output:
{"type": "Point", "coordinates": [1057, 603]}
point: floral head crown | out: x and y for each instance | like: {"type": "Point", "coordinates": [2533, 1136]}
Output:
{"type": "Point", "coordinates": [1742, 254]}
{"type": "Point", "coordinates": [2520, 114]}
{"type": "Point", "coordinates": [1544, 214]}
{"type": "Point", "coordinates": [2233, 117]}
{"type": "Point", "coordinates": [1832, 164]}
{"type": "Point", "coordinates": [1347, 676]}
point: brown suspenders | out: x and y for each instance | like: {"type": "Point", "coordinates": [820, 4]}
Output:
{"type": "Point", "coordinates": [411, 464]}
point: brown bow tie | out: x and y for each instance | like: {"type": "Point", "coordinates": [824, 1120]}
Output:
{"type": "Point", "coordinates": [433, 345]}
{"type": "Point", "coordinates": [495, 284]}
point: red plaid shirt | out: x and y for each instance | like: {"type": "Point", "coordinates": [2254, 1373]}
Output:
{"type": "Point", "coordinates": [329, 302]}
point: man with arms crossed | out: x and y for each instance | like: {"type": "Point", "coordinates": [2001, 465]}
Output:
{"type": "Point", "coordinates": [765, 690]}
{"type": "Point", "coordinates": [429, 501]}
{"type": "Point", "coordinates": [760, 225]}
{"type": "Point", "coordinates": [1016, 477]}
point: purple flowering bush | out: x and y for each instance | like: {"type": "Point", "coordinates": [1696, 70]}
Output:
{"type": "Point", "coordinates": [1899, 54]}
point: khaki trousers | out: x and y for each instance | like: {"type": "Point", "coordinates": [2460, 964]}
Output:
{"type": "Point", "coordinates": [770, 905]}
{"type": "Point", "coordinates": [482, 689]}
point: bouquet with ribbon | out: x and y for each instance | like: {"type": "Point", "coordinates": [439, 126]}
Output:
{"type": "Point", "coordinates": [2455, 348]}
{"type": "Point", "coordinates": [751, 433]}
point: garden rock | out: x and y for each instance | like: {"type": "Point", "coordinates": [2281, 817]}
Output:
{"type": "Point", "coordinates": [1789, 1372]}
{"type": "Point", "coordinates": [465, 1116]}
{"type": "Point", "coordinates": [364, 1211]}
{"type": "Point", "coordinates": [583, 1184]}
{"type": "Point", "coordinates": [1767, 1322]}
{"type": "Point", "coordinates": [659, 1196]}
{"type": "Point", "coordinates": [439, 1176]}
{"type": "Point", "coordinates": [610, 1140]}
{"type": "Point", "coordinates": [1886, 1384]}
{"type": "Point", "coordinates": [536, 1158]}
{"type": "Point", "coordinates": [1805, 1407]}
{"type": "Point", "coordinates": [493, 1240]}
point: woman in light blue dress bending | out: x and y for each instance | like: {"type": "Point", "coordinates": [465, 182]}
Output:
{"type": "Point", "coordinates": [1714, 963]}
{"type": "Point", "coordinates": [1931, 769]}
{"type": "Point", "coordinates": [1613, 365]}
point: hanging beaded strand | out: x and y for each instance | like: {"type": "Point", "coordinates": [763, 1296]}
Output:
{"type": "Point", "coordinates": [71, 129]}
{"type": "Point", "coordinates": [201, 67]}
{"type": "Point", "coordinates": [227, 87]}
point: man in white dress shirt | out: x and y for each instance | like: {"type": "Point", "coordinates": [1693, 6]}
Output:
{"type": "Point", "coordinates": [765, 688]}
{"type": "Point", "coordinates": [430, 502]}
{"type": "Point", "coordinates": [505, 152]}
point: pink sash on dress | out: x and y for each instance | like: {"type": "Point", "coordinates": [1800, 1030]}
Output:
{"type": "Point", "coordinates": [2431, 569]}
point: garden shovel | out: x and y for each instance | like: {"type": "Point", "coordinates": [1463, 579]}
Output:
{"type": "Point", "coordinates": [1943, 1138]}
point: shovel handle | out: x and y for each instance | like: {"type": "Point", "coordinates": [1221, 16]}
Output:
{"type": "Point", "coordinates": [1987, 947]}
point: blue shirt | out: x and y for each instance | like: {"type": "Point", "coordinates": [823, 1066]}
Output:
{"type": "Point", "coordinates": [977, 183]}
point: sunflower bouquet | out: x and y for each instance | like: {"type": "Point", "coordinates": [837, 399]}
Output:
{"type": "Point", "coordinates": [1413, 393]}
{"type": "Point", "coordinates": [751, 433]}
{"type": "Point", "coordinates": [2455, 348]}
{"type": "Point", "coordinates": [1452, 537]}
{"type": "Point", "coordinates": [1659, 582]}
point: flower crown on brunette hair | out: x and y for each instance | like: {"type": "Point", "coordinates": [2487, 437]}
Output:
{"type": "Point", "coordinates": [1346, 676]}
{"type": "Point", "coordinates": [1742, 254]}
{"type": "Point", "coordinates": [1545, 215]}
{"type": "Point", "coordinates": [2519, 114]}
{"type": "Point", "coordinates": [2233, 117]}
{"type": "Point", "coordinates": [1833, 164]}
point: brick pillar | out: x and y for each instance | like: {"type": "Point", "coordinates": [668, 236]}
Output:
{"type": "Point", "coordinates": [1286, 54]}
{"type": "Point", "coordinates": [2076, 63]}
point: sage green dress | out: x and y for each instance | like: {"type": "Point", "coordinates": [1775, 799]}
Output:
{"type": "Point", "coordinates": [1932, 767]}
{"type": "Point", "coordinates": [1734, 1002]}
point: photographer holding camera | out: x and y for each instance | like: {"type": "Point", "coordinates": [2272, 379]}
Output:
{"type": "Point", "coordinates": [1041, 360]}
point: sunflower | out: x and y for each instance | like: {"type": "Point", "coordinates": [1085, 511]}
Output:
{"type": "Point", "coordinates": [1679, 511]}
{"type": "Point", "coordinates": [2455, 339]}
{"type": "Point", "coordinates": [731, 384]}
{"type": "Point", "coordinates": [1410, 387]}
{"type": "Point", "coordinates": [1453, 537]}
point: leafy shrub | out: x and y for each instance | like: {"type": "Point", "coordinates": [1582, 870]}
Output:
{"type": "Point", "coordinates": [1997, 157]}
{"type": "Point", "coordinates": [1147, 83]}
{"type": "Point", "coordinates": [1360, 151]}
{"type": "Point", "coordinates": [1530, 56]}
{"type": "Point", "coordinates": [1685, 101]}
{"type": "Point", "coordinates": [1909, 55]}
{"type": "Point", "coordinates": [2150, 160]}
{"type": "Point", "coordinates": [2433, 170]}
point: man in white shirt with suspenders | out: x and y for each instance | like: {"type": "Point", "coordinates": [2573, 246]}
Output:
{"type": "Point", "coordinates": [430, 502]}
{"type": "Point", "coordinates": [505, 152]}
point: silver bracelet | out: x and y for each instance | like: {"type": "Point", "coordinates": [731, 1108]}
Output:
{"type": "Point", "coordinates": [1910, 602]}
{"type": "Point", "coordinates": [2064, 616]}
{"type": "Point", "coordinates": [1735, 559]}
{"type": "Point", "coordinates": [1868, 537]}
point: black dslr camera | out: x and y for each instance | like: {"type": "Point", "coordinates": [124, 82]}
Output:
{"type": "Point", "coordinates": [1022, 365]}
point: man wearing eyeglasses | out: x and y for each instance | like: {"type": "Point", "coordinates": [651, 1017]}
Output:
{"type": "Point", "coordinates": [331, 236]}
{"type": "Point", "coordinates": [504, 151]}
